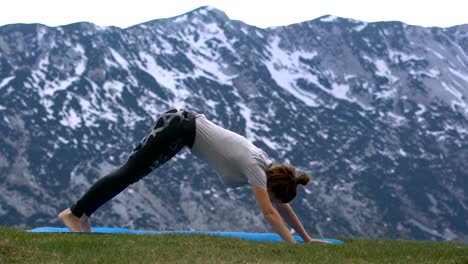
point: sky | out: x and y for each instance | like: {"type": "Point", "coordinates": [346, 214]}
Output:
{"type": "Point", "coordinates": [260, 13]}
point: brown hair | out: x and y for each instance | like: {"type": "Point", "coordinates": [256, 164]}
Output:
{"type": "Point", "coordinates": [282, 181]}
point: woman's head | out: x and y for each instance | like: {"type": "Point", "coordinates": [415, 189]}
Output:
{"type": "Point", "coordinates": [282, 181]}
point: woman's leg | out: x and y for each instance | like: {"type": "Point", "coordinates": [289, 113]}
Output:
{"type": "Point", "coordinates": [168, 135]}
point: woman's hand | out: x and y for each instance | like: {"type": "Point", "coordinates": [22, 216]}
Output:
{"type": "Point", "coordinates": [291, 218]}
{"type": "Point", "coordinates": [316, 241]}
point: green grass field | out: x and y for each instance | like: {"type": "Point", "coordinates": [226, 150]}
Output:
{"type": "Point", "coordinates": [17, 246]}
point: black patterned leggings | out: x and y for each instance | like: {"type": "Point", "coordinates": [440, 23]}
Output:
{"type": "Point", "coordinates": [169, 134]}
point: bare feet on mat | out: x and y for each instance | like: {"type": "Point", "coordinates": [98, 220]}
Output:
{"type": "Point", "coordinates": [86, 224]}
{"type": "Point", "coordinates": [70, 220]}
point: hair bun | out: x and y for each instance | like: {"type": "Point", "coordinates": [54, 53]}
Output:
{"type": "Point", "coordinates": [303, 179]}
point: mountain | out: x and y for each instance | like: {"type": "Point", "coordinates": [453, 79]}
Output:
{"type": "Point", "coordinates": [376, 113]}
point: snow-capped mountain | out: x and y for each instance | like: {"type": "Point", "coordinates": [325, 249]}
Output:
{"type": "Point", "coordinates": [376, 113]}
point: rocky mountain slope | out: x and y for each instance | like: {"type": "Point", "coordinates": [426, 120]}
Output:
{"type": "Point", "coordinates": [376, 112]}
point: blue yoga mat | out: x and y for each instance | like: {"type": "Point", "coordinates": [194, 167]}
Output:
{"type": "Point", "coordinates": [264, 237]}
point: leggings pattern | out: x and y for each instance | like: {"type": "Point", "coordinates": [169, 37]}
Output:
{"type": "Point", "coordinates": [169, 134]}
{"type": "Point", "coordinates": [163, 123]}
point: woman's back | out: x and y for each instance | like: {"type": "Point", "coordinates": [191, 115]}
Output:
{"type": "Point", "coordinates": [234, 157]}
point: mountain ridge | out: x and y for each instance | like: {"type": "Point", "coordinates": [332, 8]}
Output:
{"type": "Point", "coordinates": [209, 10]}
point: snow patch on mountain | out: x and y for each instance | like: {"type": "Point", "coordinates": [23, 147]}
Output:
{"type": "Point", "coordinates": [119, 59]}
{"type": "Point", "coordinates": [163, 76]}
{"type": "Point", "coordinates": [382, 69]}
{"type": "Point", "coordinates": [81, 65]}
{"type": "Point", "coordinates": [360, 27]}
{"type": "Point", "coordinates": [460, 102]}
{"type": "Point", "coordinates": [70, 119]}
{"type": "Point", "coordinates": [5, 81]}
{"type": "Point", "coordinates": [328, 18]}
{"type": "Point", "coordinates": [285, 69]}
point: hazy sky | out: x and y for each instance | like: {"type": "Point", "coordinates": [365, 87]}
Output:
{"type": "Point", "coordinates": [261, 13]}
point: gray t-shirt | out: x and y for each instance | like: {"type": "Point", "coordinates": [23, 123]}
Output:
{"type": "Point", "coordinates": [233, 156]}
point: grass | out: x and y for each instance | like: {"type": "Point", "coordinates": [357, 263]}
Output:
{"type": "Point", "coordinates": [17, 246]}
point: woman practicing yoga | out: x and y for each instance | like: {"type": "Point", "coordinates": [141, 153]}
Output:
{"type": "Point", "coordinates": [235, 158]}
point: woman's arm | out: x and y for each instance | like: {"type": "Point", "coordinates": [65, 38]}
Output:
{"type": "Point", "coordinates": [291, 218]}
{"type": "Point", "coordinates": [271, 215]}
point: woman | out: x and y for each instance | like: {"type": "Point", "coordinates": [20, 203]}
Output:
{"type": "Point", "coordinates": [235, 158]}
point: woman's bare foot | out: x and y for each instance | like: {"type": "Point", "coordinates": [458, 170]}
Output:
{"type": "Point", "coordinates": [86, 224]}
{"type": "Point", "coordinates": [70, 220]}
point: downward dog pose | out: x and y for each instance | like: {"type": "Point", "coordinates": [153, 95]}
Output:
{"type": "Point", "coordinates": [235, 158]}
